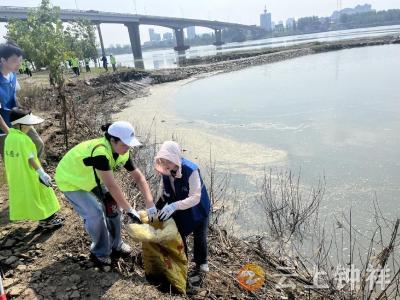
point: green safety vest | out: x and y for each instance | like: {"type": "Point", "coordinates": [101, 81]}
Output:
{"type": "Point", "coordinates": [75, 62]}
{"type": "Point", "coordinates": [72, 174]}
{"type": "Point", "coordinates": [28, 198]}
{"type": "Point", "coordinates": [112, 60]}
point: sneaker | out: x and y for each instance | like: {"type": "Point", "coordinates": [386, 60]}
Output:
{"type": "Point", "coordinates": [124, 249]}
{"type": "Point", "coordinates": [52, 222]}
{"type": "Point", "coordinates": [101, 260]}
{"type": "Point", "coordinates": [204, 268]}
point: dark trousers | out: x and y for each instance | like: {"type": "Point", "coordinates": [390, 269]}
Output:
{"type": "Point", "coordinates": [200, 247]}
{"type": "Point", "coordinates": [76, 71]}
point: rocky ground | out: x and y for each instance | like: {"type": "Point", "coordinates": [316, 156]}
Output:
{"type": "Point", "coordinates": [42, 264]}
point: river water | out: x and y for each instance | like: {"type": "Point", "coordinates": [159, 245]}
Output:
{"type": "Point", "coordinates": [335, 114]}
{"type": "Point", "coordinates": [167, 58]}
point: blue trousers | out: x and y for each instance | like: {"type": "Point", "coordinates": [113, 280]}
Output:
{"type": "Point", "coordinates": [104, 232]}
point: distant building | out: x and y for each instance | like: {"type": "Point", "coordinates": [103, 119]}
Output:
{"type": "Point", "coordinates": [290, 23]}
{"type": "Point", "coordinates": [154, 37]}
{"type": "Point", "coordinates": [279, 27]}
{"type": "Point", "coordinates": [265, 20]}
{"type": "Point", "coordinates": [191, 33]}
{"type": "Point", "coordinates": [351, 11]}
{"type": "Point", "coordinates": [168, 36]}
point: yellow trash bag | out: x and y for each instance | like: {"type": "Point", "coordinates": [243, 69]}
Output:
{"type": "Point", "coordinates": [164, 257]}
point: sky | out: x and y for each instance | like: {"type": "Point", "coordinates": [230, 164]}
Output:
{"type": "Point", "coordinates": [237, 11]}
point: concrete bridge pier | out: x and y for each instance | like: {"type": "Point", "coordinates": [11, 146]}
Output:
{"type": "Point", "coordinates": [180, 41]}
{"type": "Point", "coordinates": [134, 37]}
{"type": "Point", "coordinates": [103, 52]}
{"type": "Point", "coordinates": [218, 37]}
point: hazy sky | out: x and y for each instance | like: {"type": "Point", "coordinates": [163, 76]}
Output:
{"type": "Point", "coordinates": [238, 11]}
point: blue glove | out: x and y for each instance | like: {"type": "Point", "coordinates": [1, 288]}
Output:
{"type": "Point", "coordinates": [152, 213]}
{"type": "Point", "coordinates": [167, 211]}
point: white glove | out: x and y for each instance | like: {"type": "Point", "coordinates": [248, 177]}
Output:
{"type": "Point", "coordinates": [167, 211]}
{"type": "Point", "coordinates": [152, 213]}
{"type": "Point", "coordinates": [135, 218]}
{"type": "Point", "coordinates": [44, 177]}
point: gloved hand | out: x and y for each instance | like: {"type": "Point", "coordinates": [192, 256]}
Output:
{"type": "Point", "coordinates": [152, 213]}
{"type": "Point", "coordinates": [135, 218]}
{"type": "Point", "coordinates": [44, 177]}
{"type": "Point", "coordinates": [167, 211]}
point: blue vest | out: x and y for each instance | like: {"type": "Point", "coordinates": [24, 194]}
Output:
{"type": "Point", "coordinates": [7, 96]}
{"type": "Point", "coordinates": [188, 219]}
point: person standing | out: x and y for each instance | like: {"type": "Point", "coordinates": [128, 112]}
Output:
{"type": "Point", "coordinates": [105, 63]}
{"type": "Point", "coordinates": [29, 186]}
{"type": "Point", "coordinates": [86, 175]}
{"type": "Point", "coordinates": [113, 62]}
{"type": "Point", "coordinates": [10, 61]}
{"type": "Point", "coordinates": [28, 68]}
{"type": "Point", "coordinates": [75, 66]}
{"type": "Point", "coordinates": [87, 61]}
{"type": "Point", "coordinates": [185, 198]}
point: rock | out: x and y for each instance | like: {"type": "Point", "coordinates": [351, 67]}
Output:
{"type": "Point", "coordinates": [9, 282]}
{"type": "Point", "coordinates": [11, 260]}
{"type": "Point", "coordinates": [22, 268]}
{"type": "Point", "coordinates": [202, 293]}
{"type": "Point", "coordinates": [75, 295]}
{"type": "Point", "coordinates": [75, 278]}
{"type": "Point", "coordinates": [107, 269]}
{"type": "Point", "coordinates": [16, 290]}
{"type": "Point", "coordinates": [30, 294]}
{"type": "Point", "coordinates": [9, 243]}
{"type": "Point", "coordinates": [36, 274]}
{"type": "Point", "coordinates": [6, 253]}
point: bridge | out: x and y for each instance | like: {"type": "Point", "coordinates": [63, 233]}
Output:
{"type": "Point", "coordinates": [132, 22]}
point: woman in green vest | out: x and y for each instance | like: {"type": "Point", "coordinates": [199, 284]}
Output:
{"type": "Point", "coordinates": [30, 194]}
{"type": "Point", "coordinates": [85, 176]}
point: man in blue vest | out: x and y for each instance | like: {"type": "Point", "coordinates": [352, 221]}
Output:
{"type": "Point", "coordinates": [10, 61]}
{"type": "Point", "coordinates": [186, 199]}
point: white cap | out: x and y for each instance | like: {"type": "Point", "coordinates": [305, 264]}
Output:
{"type": "Point", "coordinates": [28, 120]}
{"type": "Point", "coordinates": [125, 132]}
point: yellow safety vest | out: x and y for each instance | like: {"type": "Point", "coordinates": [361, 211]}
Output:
{"type": "Point", "coordinates": [28, 198]}
{"type": "Point", "coordinates": [72, 174]}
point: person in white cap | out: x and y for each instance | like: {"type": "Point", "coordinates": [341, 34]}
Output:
{"type": "Point", "coordinates": [86, 175]}
{"type": "Point", "coordinates": [186, 199]}
{"type": "Point", "coordinates": [30, 194]}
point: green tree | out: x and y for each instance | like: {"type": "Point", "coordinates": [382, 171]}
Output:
{"type": "Point", "coordinates": [41, 37]}
{"type": "Point", "coordinates": [80, 38]}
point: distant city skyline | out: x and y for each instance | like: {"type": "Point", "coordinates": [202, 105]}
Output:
{"type": "Point", "coordinates": [237, 11]}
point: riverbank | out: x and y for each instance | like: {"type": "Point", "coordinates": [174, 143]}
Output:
{"type": "Point", "coordinates": [55, 265]}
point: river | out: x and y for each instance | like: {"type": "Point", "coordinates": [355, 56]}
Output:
{"type": "Point", "coordinates": [333, 114]}
{"type": "Point", "coordinates": [167, 58]}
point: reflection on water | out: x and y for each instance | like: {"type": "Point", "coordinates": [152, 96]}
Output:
{"type": "Point", "coordinates": [168, 58]}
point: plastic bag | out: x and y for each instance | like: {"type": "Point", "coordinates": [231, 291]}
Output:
{"type": "Point", "coordinates": [164, 257]}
